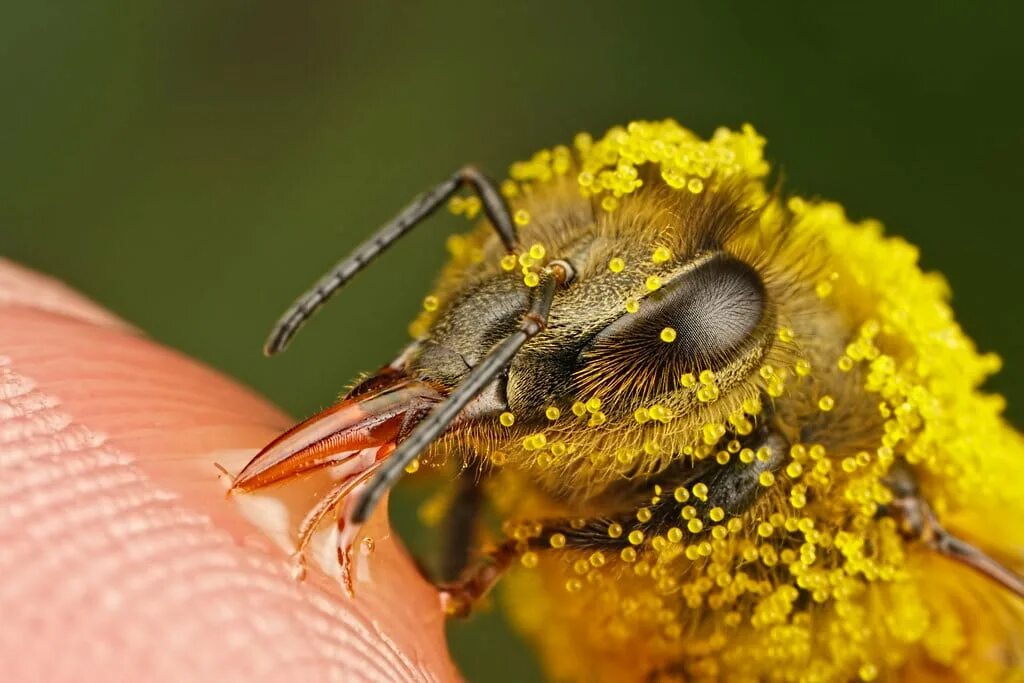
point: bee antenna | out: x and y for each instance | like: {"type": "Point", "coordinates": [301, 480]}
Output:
{"type": "Point", "coordinates": [423, 206]}
{"type": "Point", "coordinates": [438, 420]}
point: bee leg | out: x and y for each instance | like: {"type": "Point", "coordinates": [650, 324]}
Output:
{"type": "Point", "coordinates": [917, 521]}
{"type": "Point", "coordinates": [477, 580]}
{"type": "Point", "coordinates": [459, 528]}
{"type": "Point", "coordinates": [732, 487]}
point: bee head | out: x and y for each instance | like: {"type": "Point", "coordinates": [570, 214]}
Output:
{"type": "Point", "coordinates": [663, 329]}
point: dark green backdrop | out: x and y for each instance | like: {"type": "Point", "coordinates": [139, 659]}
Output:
{"type": "Point", "coordinates": [193, 165]}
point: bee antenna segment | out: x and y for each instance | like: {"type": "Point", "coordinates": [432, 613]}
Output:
{"type": "Point", "coordinates": [423, 206]}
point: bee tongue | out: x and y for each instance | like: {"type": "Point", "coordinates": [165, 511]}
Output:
{"type": "Point", "coordinates": [373, 419]}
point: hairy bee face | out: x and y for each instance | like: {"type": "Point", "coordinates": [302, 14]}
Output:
{"type": "Point", "coordinates": [711, 312]}
{"type": "Point", "coordinates": [730, 437]}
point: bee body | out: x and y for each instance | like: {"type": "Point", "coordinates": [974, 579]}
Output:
{"type": "Point", "coordinates": [748, 438]}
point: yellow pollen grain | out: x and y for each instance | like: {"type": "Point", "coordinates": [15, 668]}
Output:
{"type": "Point", "coordinates": [766, 479]}
{"type": "Point", "coordinates": [537, 251]}
{"type": "Point", "coordinates": [509, 189]}
{"type": "Point", "coordinates": [531, 279]}
{"type": "Point", "coordinates": [652, 283]}
{"type": "Point", "coordinates": [552, 413]}
{"type": "Point", "coordinates": [826, 403]}
{"type": "Point", "coordinates": [867, 672]}
{"type": "Point", "coordinates": [614, 530]}
{"type": "Point", "coordinates": [521, 217]}
{"type": "Point", "coordinates": [668, 335]}
{"type": "Point", "coordinates": [636, 537]}
{"type": "Point", "coordinates": [675, 534]}
{"type": "Point", "coordinates": [716, 514]}
{"type": "Point", "coordinates": [628, 555]}
{"type": "Point", "coordinates": [661, 255]}
{"type": "Point", "coordinates": [529, 559]}
{"type": "Point", "coordinates": [688, 380]}
{"type": "Point", "coordinates": [507, 419]}
{"type": "Point", "coordinates": [695, 185]}
{"type": "Point", "coordinates": [616, 265]}
{"type": "Point", "coordinates": [700, 491]}
{"type": "Point", "coordinates": [632, 306]}
{"type": "Point", "coordinates": [413, 466]}
{"type": "Point", "coordinates": [431, 303]}
{"type": "Point", "coordinates": [579, 408]}
{"type": "Point", "coordinates": [695, 526]}
{"type": "Point", "coordinates": [681, 494]}
{"type": "Point", "coordinates": [509, 262]}
{"type": "Point", "coordinates": [557, 540]}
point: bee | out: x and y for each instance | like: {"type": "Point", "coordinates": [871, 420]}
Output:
{"type": "Point", "coordinates": [732, 436]}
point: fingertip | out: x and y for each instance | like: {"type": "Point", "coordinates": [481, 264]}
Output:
{"type": "Point", "coordinates": [118, 530]}
{"type": "Point", "coordinates": [21, 287]}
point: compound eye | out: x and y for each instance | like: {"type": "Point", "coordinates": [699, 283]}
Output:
{"type": "Point", "coordinates": [713, 309]}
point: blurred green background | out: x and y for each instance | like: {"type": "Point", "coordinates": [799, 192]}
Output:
{"type": "Point", "coordinates": [195, 164]}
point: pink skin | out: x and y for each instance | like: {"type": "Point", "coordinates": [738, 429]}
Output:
{"type": "Point", "coordinates": [120, 556]}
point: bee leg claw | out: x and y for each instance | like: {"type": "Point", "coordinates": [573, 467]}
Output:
{"type": "Point", "coordinates": [459, 597]}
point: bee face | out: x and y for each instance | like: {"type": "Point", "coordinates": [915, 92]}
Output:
{"type": "Point", "coordinates": [730, 437]}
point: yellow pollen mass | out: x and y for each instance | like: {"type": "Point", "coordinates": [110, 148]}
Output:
{"type": "Point", "coordinates": [814, 580]}
{"type": "Point", "coordinates": [668, 335]}
{"type": "Point", "coordinates": [661, 255]}
{"type": "Point", "coordinates": [507, 419]}
{"type": "Point", "coordinates": [652, 283]}
{"type": "Point", "coordinates": [616, 265]}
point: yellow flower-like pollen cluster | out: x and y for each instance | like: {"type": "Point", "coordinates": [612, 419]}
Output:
{"type": "Point", "coordinates": [811, 583]}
